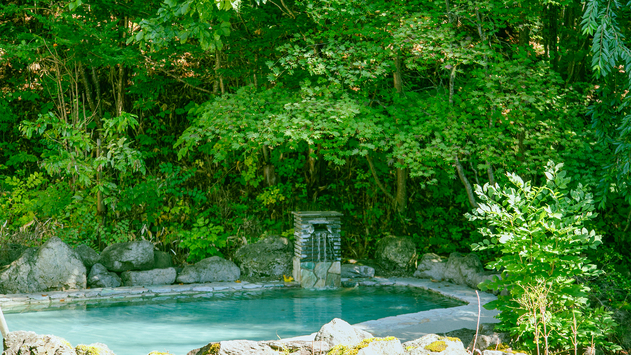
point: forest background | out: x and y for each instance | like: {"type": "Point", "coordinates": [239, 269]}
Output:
{"type": "Point", "coordinates": [200, 125]}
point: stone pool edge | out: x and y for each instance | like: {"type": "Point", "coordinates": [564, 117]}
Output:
{"type": "Point", "coordinates": [406, 327]}
{"type": "Point", "coordinates": [31, 302]}
{"type": "Point", "coordinates": [411, 326]}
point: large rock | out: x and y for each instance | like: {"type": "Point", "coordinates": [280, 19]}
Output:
{"type": "Point", "coordinates": [100, 277]}
{"type": "Point", "coordinates": [88, 255]}
{"type": "Point", "coordinates": [353, 271]}
{"type": "Point", "coordinates": [293, 347]}
{"type": "Point", "coordinates": [431, 266]}
{"type": "Point", "coordinates": [127, 256]}
{"type": "Point", "coordinates": [52, 267]}
{"type": "Point", "coordinates": [162, 260]}
{"type": "Point", "coordinates": [93, 349]}
{"type": "Point", "coordinates": [488, 338]}
{"type": "Point", "coordinates": [460, 269]}
{"type": "Point", "coordinates": [298, 347]}
{"type": "Point", "coordinates": [244, 347]}
{"type": "Point", "coordinates": [271, 256]}
{"type": "Point", "coordinates": [338, 332]}
{"type": "Point", "coordinates": [149, 277]}
{"type": "Point", "coordinates": [396, 253]}
{"type": "Point", "coordinates": [209, 270]}
{"type": "Point", "coordinates": [29, 343]}
{"type": "Point", "coordinates": [10, 253]}
{"type": "Point", "coordinates": [434, 344]}
{"type": "Point", "coordinates": [382, 346]}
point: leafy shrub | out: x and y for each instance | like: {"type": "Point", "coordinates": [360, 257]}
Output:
{"type": "Point", "coordinates": [203, 240]}
{"type": "Point", "coordinates": [540, 236]}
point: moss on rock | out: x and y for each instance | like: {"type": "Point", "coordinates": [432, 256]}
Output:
{"type": "Point", "coordinates": [213, 349]}
{"type": "Point", "coordinates": [346, 350]}
{"type": "Point", "coordinates": [93, 349]}
{"type": "Point", "coordinates": [437, 346]}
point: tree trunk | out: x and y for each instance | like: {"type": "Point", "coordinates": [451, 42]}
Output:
{"type": "Point", "coordinates": [120, 90]}
{"type": "Point", "coordinates": [401, 172]}
{"type": "Point", "coordinates": [218, 77]}
{"type": "Point", "coordinates": [465, 182]}
{"type": "Point", "coordinates": [551, 33]}
{"type": "Point", "coordinates": [401, 198]}
{"type": "Point", "coordinates": [269, 173]}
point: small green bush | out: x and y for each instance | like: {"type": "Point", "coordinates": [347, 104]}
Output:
{"type": "Point", "coordinates": [540, 237]}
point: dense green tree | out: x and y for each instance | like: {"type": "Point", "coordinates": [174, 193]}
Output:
{"type": "Point", "coordinates": [235, 113]}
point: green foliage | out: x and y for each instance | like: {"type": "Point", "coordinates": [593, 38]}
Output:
{"type": "Point", "coordinates": [18, 199]}
{"type": "Point", "coordinates": [539, 234]}
{"type": "Point", "coordinates": [203, 240]}
{"type": "Point", "coordinates": [137, 116]}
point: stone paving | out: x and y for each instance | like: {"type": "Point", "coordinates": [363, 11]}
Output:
{"type": "Point", "coordinates": [435, 321]}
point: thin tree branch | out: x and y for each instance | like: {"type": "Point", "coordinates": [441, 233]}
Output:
{"type": "Point", "coordinates": [374, 175]}
{"type": "Point", "coordinates": [465, 182]}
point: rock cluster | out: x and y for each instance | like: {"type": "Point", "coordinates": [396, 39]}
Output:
{"type": "Point", "coordinates": [459, 268]}
{"type": "Point", "coordinates": [334, 338]}
{"type": "Point", "coordinates": [57, 267]}
{"type": "Point", "coordinates": [30, 343]}
{"type": "Point", "coordinates": [54, 266]}
{"type": "Point", "coordinates": [396, 253]}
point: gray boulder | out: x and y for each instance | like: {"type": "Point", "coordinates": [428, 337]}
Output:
{"type": "Point", "coordinates": [431, 266]}
{"type": "Point", "coordinates": [10, 253]}
{"type": "Point", "coordinates": [396, 253]}
{"type": "Point", "coordinates": [382, 346]}
{"type": "Point", "coordinates": [52, 267]}
{"type": "Point", "coordinates": [93, 349]}
{"type": "Point", "coordinates": [88, 255]}
{"type": "Point", "coordinates": [244, 347]}
{"type": "Point", "coordinates": [353, 271]}
{"type": "Point", "coordinates": [209, 270]}
{"type": "Point", "coordinates": [271, 257]}
{"type": "Point", "coordinates": [162, 260]}
{"type": "Point", "coordinates": [434, 344]}
{"type": "Point", "coordinates": [488, 338]}
{"type": "Point", "coordinates": [127, 256]}
{"type": "Point", "coordinates": [149, 277]}
{"type": "Point", "coordinates": [460, 269]}
{"type": "Point", "coordinates": [30, 343]}
{"type": "Point", "coordinates": [298, 347]}
{"type": "Point", "coordinates": [238, 347]}
{"type": "Point", "coordinates": [338, 332]}
{"type": "Point", "coordinates": [100, 277]}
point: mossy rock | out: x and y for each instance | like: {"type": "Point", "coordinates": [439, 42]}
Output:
{"type": "Point", "coordinates": [93, 349]}
{"type": "Point", "coordinates": [211, 349]}
{"type": "Point", "coordinates": [433, 343]}
{"type": "Point", "coordinates": [346, 350]}
{"type": "Point", "coordinates": [159, 353]}
{"type": "Point", "coordinates": [437, 346]}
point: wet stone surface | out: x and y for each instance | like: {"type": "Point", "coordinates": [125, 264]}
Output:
{"type": "Point", "coordinates": [13, 303]}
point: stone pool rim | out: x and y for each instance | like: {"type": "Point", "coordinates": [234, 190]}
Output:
{"type": "Point", "coordinates": [405, 326]}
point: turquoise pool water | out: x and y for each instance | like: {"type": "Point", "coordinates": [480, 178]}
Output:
{"type": "Point", "coordinates": [178, 327]}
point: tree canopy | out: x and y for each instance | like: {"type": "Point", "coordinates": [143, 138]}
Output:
{"type": "Point", "coordinates": [138, 119]}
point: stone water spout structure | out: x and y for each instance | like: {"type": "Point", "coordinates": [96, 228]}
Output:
{"type": "Point", "coordinates": [317, 255]}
